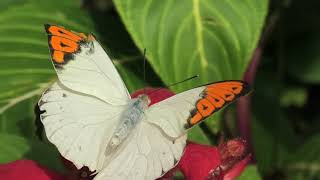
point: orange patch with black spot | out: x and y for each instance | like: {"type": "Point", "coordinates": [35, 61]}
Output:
{"type": "Point", "coordinates": [196, 118]}
{"type": "Point", "coordinates": [62, 32]}
{"type": "Point", "coordinates": [217, 96]}
{"type": "Point", "coordinates": [63, 42]}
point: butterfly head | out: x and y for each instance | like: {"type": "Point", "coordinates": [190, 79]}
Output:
{"type": "Point", "coordinates": [145, 100]}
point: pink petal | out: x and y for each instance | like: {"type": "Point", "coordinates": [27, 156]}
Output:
{"type": "Point", "coordinates": [155, 96]}
{"type": "Point", "coordinates": [27, 170]}
{"type": "Point", "coordinates": [198, 160]}
{"type": "Point", "coordinates": [237, 169]}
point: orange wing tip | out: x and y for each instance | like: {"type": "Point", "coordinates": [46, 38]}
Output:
{"type": "Point", "coordinates": [58, 57]}
{"type": "Point", "coordinates": [195, 119]}
{"type": "Point", "coordinates": [246, 88]}
{"type": "Point", "coordinates": [237, 87]}
{"type": "Point", "coordinates": [217, 96]}
{"type": "Point", "coordinates": [63, 32]}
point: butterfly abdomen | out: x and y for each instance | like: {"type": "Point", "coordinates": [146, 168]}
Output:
{"type": "Point", "coordinates": [130, 119]}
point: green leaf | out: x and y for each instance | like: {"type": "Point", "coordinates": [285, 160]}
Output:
{"type": "Point", "coordinates": [122, 50]}
{"type": "Point", "coordinates": [132, 81]}
{"type": "Point", "coordinates": [198, 136]}
{"type": "Point", "coordinates": [272, 132]}
{"type": "Point", "coordinates": [15, 147]}
{"type": "Point", "coordinates": [294, 96]}
{"type": "Point", "coordinates": [299, 30]}
{"type": "Point", "coordinates": [212, 38]}
{"type": "Point", "coordinates": [305, 57]}
{"type": "Point", "coordinates": [20, 118]}
{"type": "Point", "coordinates": [250, 173]}
{"type": "Point", "coordinates": [305, 161]}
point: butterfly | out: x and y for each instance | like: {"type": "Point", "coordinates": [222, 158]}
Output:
{"type": "Point", "coordinates": [89, 116]}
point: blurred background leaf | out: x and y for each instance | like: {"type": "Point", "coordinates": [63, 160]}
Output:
{"type": "Point", "coordinates": [305, 58]}
{"type": "Point", "coordinates": [270, 127]}
{"type": "Point", "coordinates": [16, 147]}
{"type": "Point", "coordinates": [304, 162]}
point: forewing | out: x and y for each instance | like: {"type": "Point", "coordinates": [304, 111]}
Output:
{"type": "Point", "coordinates": [147, 154]}
{"type": "Point", "coordinates": [178, 113]}
{"type": "Point", "coordinates": [82, 65]}
{"type": "Point", "coordinates": [79, 125]}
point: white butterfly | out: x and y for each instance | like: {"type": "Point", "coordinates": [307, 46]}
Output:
{"type": "Point", "coordinates": [92, 120]}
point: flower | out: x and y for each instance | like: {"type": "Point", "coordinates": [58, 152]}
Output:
{"type": "Point", "coordinates": [225, 162]}
{"type": "Point", "coordinates": [155, 95]}
{"type": "Point", "coordinates": [27, 170]}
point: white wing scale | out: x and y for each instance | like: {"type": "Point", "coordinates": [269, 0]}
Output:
{"type": "Point", "coordinates": [146, 154]}
{"type": "Point", "coordinates": [79, 125]}
{"type": "Point", "coordinates": [171, 114]}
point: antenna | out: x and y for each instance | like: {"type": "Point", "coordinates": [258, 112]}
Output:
{"type": "Point", "coordinates": [144, 68]}
{"type": "Point", "coordinates": [195, 76]}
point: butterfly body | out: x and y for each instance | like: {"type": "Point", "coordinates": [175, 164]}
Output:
{"type": "Point", "coordinates": [89, 115]}
{"type": "Point", "coordinates": [130, 119]}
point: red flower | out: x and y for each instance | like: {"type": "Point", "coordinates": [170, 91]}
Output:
{"type": "Point", "coordinates": [27, 170]}
{"type": "Point", "coordinates": [155, 95]}
{"type": "Point", "coordinates": [224, 162]}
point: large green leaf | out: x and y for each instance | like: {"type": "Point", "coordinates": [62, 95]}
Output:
{"type": "Point", "coordinates": [25, 69]}
{"type": "Point", "coordinates": [212, 38]}
{"type": "Point", "coordinates": [15, 147]}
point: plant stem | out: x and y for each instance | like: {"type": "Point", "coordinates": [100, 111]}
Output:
{"type": "Point", "coordinates": [244, 103]}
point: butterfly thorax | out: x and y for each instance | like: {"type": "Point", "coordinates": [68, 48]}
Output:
{"type": "Point", "coordinates": [129, 120]}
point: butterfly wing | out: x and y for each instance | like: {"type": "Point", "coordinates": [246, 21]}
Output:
{"type": "Point", "coordinates": [146, 154]}
{"type": "Point", "coordinates": [79, 126]}
{"type": "Point", "coordinates": [158, 143]}
{"type": "Point", "coordinates": [87, 101]}
{"type": "Point", "coordinates": [178, 113]}
{"type": "Point", "coordinates": [82, 65]}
